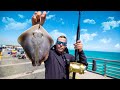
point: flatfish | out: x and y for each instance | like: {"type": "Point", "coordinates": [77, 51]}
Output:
{"type": "Point", "coordinates": [36, 43]}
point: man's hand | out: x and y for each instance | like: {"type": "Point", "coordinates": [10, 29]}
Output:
{"type": "Point", "coordinates": [36, 17]}
{"type": "Point", "coordinates": [78, 45]}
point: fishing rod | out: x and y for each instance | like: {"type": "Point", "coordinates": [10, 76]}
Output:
{"type": "Point", "coordinates": [77, 38]}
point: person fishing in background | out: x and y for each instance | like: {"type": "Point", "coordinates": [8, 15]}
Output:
{"type": "Point", "coordinates": [56, 64]}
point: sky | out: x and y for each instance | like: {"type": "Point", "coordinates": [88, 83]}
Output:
{"type": "Point", "coordinates": [99, 30]}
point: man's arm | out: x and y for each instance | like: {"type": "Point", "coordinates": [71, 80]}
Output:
{"type": "Point", "coordinates": [82, 58]}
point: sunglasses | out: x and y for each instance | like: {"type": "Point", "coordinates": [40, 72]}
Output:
{"type": "Point", "coordinates": [63, 43]}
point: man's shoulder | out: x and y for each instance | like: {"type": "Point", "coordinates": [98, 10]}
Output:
{"type": "Point", "coordinates": [51, 52]}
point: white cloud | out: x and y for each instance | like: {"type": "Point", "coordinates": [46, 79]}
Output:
{"type": "Point", "coordinates": [96, 46]}
{"type": "Point", "coordinates": [60, 21]}
{"type": "Point", "coordinates": [93, 34]}
{"type": "Point", "coordinates": [84, 30]}
{"type": "Point", "coordinates": [84, 39]}
{"type": "Point", "coordinates": [111, 18]}
{"type": "Point", "coordinates": [88, 37]}
{"type": "Point", "coordinates": [55, 34]}
{"type": "Point", "coordinates": [117, 46]}
{"type": "Point", "coordinates": [111, 24]}
{"type": "Point", "coordinates": [11, 24]}
{"type": "Point", "coordinates": [7, 20]}
{"type": "Point", "coordinates": [50, 16]}
{"type": "Point", "coordinates": [90, 21]}
{"type": "Point", "coordinates": [105, 41]}
{"type": "Point", "coordinates": [21, 16]}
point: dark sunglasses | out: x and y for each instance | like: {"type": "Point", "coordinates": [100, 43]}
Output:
{"type": "Point", "coordinates": [63, 43]}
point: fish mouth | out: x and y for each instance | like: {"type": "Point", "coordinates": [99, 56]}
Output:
{"type": "Point", "coordinates": [36, 63]}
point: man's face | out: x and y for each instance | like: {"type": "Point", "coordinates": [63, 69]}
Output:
{"type": "Point", "coordinates": [61, 45]}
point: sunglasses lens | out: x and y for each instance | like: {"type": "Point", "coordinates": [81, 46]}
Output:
{"type": "Point", "coordinates": [63, 43]}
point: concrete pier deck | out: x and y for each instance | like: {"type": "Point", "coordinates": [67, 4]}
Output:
{"type": "Point", "coordinates": [90, 75]}
{"type": "Point", "coordinates": [14, 68]}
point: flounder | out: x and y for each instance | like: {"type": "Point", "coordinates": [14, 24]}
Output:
{"type": "Point", "coordinates": [36, 43]}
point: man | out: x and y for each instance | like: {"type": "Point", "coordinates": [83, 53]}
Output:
{"type": "Point", "coordinates": [56, 64]}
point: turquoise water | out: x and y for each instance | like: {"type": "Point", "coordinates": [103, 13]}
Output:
{"type": "Point", "coordinates": [99, 54]}
{"type": "Point", "coordinates": [112, 68]}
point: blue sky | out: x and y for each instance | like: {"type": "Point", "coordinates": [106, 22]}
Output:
{"type": "Point", "coordinates": [100, 30]}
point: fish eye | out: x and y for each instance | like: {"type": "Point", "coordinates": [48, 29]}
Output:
{"type": "Point", "coordinates": [41, 34]}
{"type": "Point", "coordinates": [33, 34]}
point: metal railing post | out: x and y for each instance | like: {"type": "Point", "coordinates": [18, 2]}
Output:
{"type": "Point", "coordinates": [105, 68]}
{"type": "Point", "coordinates": [94, 65]}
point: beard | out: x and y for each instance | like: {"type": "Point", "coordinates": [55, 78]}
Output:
{"type": "Point", "coordinates": [60, 50]}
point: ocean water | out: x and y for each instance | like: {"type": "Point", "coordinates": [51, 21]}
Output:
{"type": "Point", "coordinates": [112, 68]}
{"type": "Point", "coordinates": [99, 54]}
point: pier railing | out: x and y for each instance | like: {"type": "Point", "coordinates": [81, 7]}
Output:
{"type": "Point", "coordinates": [105, 67]}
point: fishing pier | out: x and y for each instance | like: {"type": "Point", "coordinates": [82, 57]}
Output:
{"type": "Point", "coordinates": [14, 68]}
